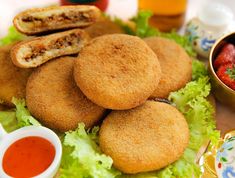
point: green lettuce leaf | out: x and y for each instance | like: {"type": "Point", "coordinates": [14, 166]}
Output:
{"type": "Point", "coordinates": [141, 26]}
{"type": "Point", "coordinates": [12, 36]}
{"type": "Point", "coordinates": [19, 117]}
{"type": "Point", "coordinates": [8, 120]}
{"type": "Point", "coordinates": [199, 113]}
{"type": "Point", "coordinates": [82, 156]}
{"type": "Point", "coordinates": [143, 30]}
{"type": "Point", "coordinates": [199, 70]}
{"type": "Point", "coordinates": [193, 89]}
{"type": "Point", "coordinates": [23, 115]}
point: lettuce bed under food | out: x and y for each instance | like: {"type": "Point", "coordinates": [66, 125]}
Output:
{"type": "Point", "coordinates": [199, 113]}
{"type": "Point", "coordinates": [82, 157]}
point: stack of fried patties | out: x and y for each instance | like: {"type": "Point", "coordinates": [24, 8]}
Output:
{"type": "Point", "coordinates": [33, 50]}
{"type": "Point", "coordinates": [114, 81]}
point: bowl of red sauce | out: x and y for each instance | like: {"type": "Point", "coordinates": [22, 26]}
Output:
{"type": "Point", "coordinates": [32, 151]}
{"type": "Point", "coordinates": [222, 69]}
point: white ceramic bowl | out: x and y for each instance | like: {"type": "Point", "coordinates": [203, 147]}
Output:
{"type": "Point", "coordinates": [7, 139]}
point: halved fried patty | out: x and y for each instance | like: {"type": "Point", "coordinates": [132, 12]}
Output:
{"type": "Point", "coordinates": [12, 79]}
{"type": "Point", "coordinates": [146, 138]}
{"type": "Point", "coordinates": [54, 99]}
{"type": "Point", "coordinates": [38, 20]}
{"type": "Point", "coordinates": [37, 51]}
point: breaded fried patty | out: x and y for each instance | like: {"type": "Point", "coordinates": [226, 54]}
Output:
{"type": "Point", "coordinates": [12, 79]}
{"type": "Point", "coordinates": [176, 65]}
{"type": "Point", "coordinates": [117, 71]}
{"type": "Point", "coordinates": [103, 27]}
{"type": "Point", "coordinates": [54, 99]}
{"type": "Point", "coordinates": [146, 138]}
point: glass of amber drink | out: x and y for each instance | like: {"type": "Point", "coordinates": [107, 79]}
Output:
{"type": "Point", "coordinates": [168, 14]}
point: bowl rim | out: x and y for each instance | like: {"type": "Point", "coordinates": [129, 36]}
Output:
{"type": "Point", "coordinates": [39, 131]}
{"type": "Point", "coordinates": [211, 61]}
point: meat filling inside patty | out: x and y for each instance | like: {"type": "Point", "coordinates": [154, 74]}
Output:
{"type": "Point", "coordinates": [63, 17]}
{"type": "Point", "coordinates": [72, 39]}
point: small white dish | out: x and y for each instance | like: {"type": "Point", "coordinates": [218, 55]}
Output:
{"type": "Point", "coordinates": [8, 139]}
{"type": "Point", "coordinates": [213, 21]}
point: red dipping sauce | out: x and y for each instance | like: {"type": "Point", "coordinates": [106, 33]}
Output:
{"type": "Point", "coordinates": [28, 157]}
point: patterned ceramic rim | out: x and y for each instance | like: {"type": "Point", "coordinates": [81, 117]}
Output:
{"type": "Point", "coordinates": [210, 157]}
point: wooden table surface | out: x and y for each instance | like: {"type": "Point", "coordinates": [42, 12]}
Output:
{"type": "Point", "coordinates": [225, 118]}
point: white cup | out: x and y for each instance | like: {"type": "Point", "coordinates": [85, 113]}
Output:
{"type": "Point", "coordinates": [7, 139]}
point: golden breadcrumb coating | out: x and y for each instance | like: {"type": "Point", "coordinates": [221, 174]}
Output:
{"type": "Point", "coordinates": [175, 63]}
{"type": "Point", "coordinates": [117, 71]}
{"type": "Point", "coordinates": [12, 79]}
{"type": "Point", "coordinates": [146, 138]}
{"type": "Point", "coordinates": [54, 99]}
